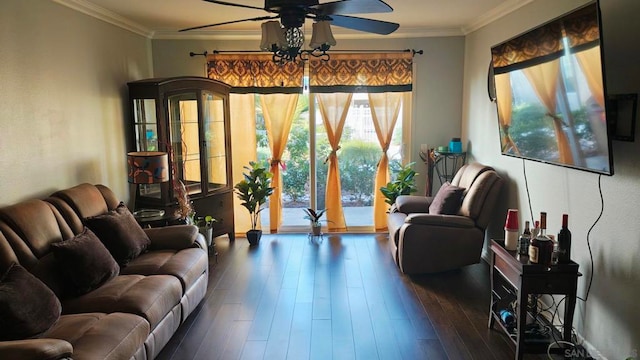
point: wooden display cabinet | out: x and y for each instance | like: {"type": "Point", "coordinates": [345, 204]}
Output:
{"type": "Point", "coordinates": [187, 117]}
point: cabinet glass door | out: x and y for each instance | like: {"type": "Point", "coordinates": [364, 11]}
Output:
{"type": "Point", "coordinates": [146, 137]}
{"type": "Point", "coordinates": [214, 139]}
{"type": "Point", "coordinates": [185, 140]}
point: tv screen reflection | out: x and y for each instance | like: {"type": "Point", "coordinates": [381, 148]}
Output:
{"type": "Point", "coordinates": [550, 93]}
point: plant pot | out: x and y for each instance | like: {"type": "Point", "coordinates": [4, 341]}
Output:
{"type": "Point", "coordinates": [254, 237]}
{"type": "Point", "coordinates": [207, 232]}
{"type": "Point", "coordinates": [316, 230]}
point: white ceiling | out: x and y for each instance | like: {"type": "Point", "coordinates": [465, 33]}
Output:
{"type": "Point", "coordinates": [162, 18]}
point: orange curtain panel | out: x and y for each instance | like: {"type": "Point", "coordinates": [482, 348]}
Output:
{"type": "Point", "coordinates": [544, 79]}
{"type": "Point", "coordinates": [589, 61]}
{"type": "Point", "coordinates": [385, 108]}
{"type": "Point", "coordinates": [505, 104]}
{"type": "Point", "coordinates": [243, 148]}
{"type": "Point", "coordinates": [334, 108]}
{"type": "Point", "coordinates": [278, 111]}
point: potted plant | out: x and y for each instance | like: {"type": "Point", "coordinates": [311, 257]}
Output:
{"type": "Point", "coordinates": [404, 184]}
{"type": "Point", "coordinates": [205, 227]}
{"type": "Point", "coordinates": [314, 216]}
{"type": "Point", "coordinates": [253, 191]}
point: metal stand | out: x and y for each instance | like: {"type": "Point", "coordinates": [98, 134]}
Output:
{"type": "Point", "coordinates": [212, 250]}
{"type": "Point", "coordinates": [429, 159]}
{"type": "Point", "coordinates": [447, 164]}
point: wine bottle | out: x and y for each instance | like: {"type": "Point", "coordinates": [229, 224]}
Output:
{"type": "Point", "coordinates": [525, 240]}
{"type": "Point", "coordinates": [564, 241]}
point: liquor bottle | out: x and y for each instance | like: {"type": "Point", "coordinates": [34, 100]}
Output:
{"type": "Point", "coordinates": [541, 247]}
{"type": "Point", "coordinates": [536, 229]}
{"type": "Point", "coordinates": [543, 225]}
{"type": "Point", "coordinates": [564, 241]}
{"type": "Point", "coordinates": [525, 240]}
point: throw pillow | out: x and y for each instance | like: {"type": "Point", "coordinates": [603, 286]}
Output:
{"type": "Point", "coordinates": [447, 201]}
{"type": "Point", "coordinates": [120, 233]}
{"type": "Point", "coordinates": [85, 261]}
{"type": "Point", "coordinates": [27, 306]}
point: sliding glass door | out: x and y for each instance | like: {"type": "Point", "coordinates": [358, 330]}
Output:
{"type": "Point", "coordinates": [304, 164]}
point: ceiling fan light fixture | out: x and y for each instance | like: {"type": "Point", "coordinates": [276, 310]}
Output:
{"type": "Point", "coordinates": [294, 38]}
{"type": "Point", "coordinates": [322, 35]}
{"type": "Point", "coordinates": [286, 43]}
{"type": "Point", "coordinates": [273, 36]}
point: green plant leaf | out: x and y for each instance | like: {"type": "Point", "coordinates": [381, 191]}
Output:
{"type": "Point", "coordinates": [403, 184]}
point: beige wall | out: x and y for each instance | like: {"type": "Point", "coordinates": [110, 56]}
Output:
{"type": "Point", "coordinates": [610, 320]}
{"type": "Point", "coordinates": [437, 104]}
{"type": "Point", "coordinates": [63, 80]}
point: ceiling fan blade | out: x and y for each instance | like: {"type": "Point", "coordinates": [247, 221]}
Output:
{"type": "Point", "coordinates": [231, 22]}
{"type": "Point", "coordinates": [236, 5]}
{"type": "Point", "coordinates": [362, 24]}
{"type": "Point", "coordinates": [352, 7]}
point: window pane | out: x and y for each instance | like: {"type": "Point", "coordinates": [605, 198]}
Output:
{"type": "Point", "coordinates": [185, 140]}
{"type": "Point", "coordinates": [146, 129]}
{"type": "Point", "coordinates": [358, 159]}
{"type": "Point", "coordinates": [214, 137]}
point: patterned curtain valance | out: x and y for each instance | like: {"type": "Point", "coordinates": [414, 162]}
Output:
{"type": "Point", "coordinates": [362, 72]}
{"type": "Point", "coordinates": [545, 43]}
{"type": "Point", "coordinates": [255, 73]}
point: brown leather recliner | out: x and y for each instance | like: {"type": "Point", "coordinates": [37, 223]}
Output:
{"type": "Point", "coordinates": [427, 243]}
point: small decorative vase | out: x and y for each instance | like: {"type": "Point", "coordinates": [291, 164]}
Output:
{"type": "Point", "coordinates": [316, 230]}
{"type": "Point", "coordinates": [254, 237]}
{"type": "Point", "coordinates": [207, 232]}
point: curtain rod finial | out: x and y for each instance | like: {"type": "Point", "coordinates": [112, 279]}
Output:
{"type": "Point", "coordinates": [192, 54]}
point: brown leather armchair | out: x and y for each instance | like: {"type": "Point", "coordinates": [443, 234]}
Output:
{"type": "Point", "coordinates": [421, 242]}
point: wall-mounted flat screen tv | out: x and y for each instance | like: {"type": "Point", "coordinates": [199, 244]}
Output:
{"type": "Point", "coordinates": [550, 93]}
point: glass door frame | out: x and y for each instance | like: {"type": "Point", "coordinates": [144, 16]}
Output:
{"type": "Point", "coordinates": [406, 117]}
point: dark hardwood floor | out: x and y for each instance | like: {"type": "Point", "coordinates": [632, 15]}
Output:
{"type": "Point", "coordinates": [344, 298]}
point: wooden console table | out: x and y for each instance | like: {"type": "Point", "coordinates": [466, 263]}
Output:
{"type": "Point", "coordinates": [508, 270]}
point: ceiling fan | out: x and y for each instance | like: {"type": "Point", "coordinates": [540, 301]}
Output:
{"type": "Point", "coordinates": [293, 13]}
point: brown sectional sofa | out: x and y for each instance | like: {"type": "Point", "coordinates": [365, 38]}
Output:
{"type": "Point", "coordinates": [130, 316]}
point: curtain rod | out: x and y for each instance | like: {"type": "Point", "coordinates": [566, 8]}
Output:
{"type": "Point", "coordinates": [205, 53]}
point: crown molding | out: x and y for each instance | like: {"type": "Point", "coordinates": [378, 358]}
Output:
{"type": "Point", "coordinates": [421, 32]}
{"type": "Point", "coordinates": [105, 15]}
{"type": "Point", "coordinates": [494, 14]}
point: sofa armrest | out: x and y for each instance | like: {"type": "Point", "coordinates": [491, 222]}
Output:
{"type": "Point", "coordinates": [454, 221]}
{"type": "Point", "coordinates": [36, 349]}
{"type": "Point", "coordinates": [176, 237]}
{"type": "Point", "coordinates": [409, 204]}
